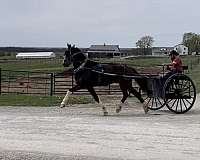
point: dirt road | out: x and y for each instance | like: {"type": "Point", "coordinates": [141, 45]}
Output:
{"type": "Point", "coordinates": [81, 132]}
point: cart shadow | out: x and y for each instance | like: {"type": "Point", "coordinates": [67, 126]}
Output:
{"type": "Point", "coordinates": [155, 113]}
{"type": "Point", "coordinates": [168, 112]}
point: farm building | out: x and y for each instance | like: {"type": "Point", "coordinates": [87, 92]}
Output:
{"type": "Point", "coordinates": [161, 51]}
{"type": "Point", "coordinates": [35, 55]}
{"type": "Point", "coordinates": [104, 51]}
{"type": "Point", "coordinates": [181, 49]}
{"type": "Point", "coordinates": [135, 52]}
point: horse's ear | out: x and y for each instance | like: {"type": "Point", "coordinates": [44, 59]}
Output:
{"type": "Point", "coordinates": [73, 46]}
{"type": "Point", "coordinates": [68, 45]}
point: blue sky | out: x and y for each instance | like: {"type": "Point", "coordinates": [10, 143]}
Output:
{"type": "Point", "coordinates": [53, 23]}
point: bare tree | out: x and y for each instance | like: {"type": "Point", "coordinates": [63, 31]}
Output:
{"type": "Point", "coordinates": [145, 42]}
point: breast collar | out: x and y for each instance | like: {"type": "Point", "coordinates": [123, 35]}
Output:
{"type": "Point", "coordinates": [80, 67]}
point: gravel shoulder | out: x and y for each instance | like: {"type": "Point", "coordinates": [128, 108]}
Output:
{"type": "Point", "coordinates": [81, 132]}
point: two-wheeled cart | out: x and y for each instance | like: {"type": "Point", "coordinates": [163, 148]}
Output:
{"type": "Point", "coordinates": [178, 93]}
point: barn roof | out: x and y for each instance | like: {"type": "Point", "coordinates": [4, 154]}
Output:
{"type": "Point", "coordinates": [104, 48]}
{"type": "Point", "coordinates": [35, 55]}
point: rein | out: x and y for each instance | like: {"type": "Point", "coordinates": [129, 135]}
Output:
{"type": "Point", "coordinates": [112, 74]}
{"type": "Point", "coordinates": [81, 67]}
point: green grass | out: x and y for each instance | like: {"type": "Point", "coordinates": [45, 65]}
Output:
{"type": "Point", "coordinates": [146, 61]}
{"type": "Point", "coordinates": [195, 76]}
{"type": "Point", "coordinates": [56, 66]}
{"type": "Point", "coordinates": [44, 101]}
{"type": "Point", "coordinates": [193, 63]}
{"type": "Point", "coordinates": [33, 65]}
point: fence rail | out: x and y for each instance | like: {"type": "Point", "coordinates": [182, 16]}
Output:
{"type": "Point", "coordinates": [23, 82]}
{"type": "Point", "coordinates": [42, 83]}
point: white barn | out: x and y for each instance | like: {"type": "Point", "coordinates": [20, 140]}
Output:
{"type": "Point", "coordinates": [35, 55]}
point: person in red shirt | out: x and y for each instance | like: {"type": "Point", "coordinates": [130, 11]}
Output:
{"type": "Point", "coordinates": [175, 66]}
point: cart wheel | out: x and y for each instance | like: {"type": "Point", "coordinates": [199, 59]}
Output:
{"type": "Point", "coordinates": [180, 93]}
{"type": "Point", "coordinates": [154, 103]}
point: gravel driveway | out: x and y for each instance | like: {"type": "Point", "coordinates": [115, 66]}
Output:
{"type": "Point", "coordinates": [81, 132]}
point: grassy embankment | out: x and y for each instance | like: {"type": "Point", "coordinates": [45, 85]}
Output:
{"type": "Point", "coordinates": [56, 66]}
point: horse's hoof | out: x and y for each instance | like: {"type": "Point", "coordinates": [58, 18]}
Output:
{"type": "Point", "coordinates": [118, 109]}
{"type": "Point", "coordinates": [62, 105]}
{"type": "Point", "coordinates": [105, 113]}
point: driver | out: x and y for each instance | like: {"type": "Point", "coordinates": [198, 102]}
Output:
{"type": "Point", "coordinates": [175, 66]}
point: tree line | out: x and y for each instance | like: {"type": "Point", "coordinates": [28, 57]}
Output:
{"type": "Point", "coordinates": [190, 40]}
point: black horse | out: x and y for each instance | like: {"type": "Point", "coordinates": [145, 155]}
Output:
{"type": "Point", "coordinates": [89, 74]}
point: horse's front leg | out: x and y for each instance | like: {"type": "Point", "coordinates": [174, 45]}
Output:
{"type": "Point", "coordinates": [66, 98]}
{"type": "Point", "coordinates": [96, 98]}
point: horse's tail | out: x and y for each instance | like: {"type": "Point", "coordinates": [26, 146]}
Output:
{"type": "Point", "coordinates": [142, 82]}
{"type": "Point", "coordinates": [140, 79]}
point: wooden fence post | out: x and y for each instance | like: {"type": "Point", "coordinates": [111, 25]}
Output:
{"type": "Point", "coordinates": [0, 81]}
{"type": "Point", "coordinates": [28, 82]}
{"type": "Point", "coordinates": [72, 82]}
{"type": "Point", "coordinates": [54, 83]}
{"type": "Point", "coordinates": [51, 85]}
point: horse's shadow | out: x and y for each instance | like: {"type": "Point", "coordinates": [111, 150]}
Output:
{"type": "Point", "coordinates": [157, 113]}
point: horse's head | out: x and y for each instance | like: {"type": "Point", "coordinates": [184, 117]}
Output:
{"type": "Point", "coordinates": [67, 56]}
{"type": "Point", "coordinates": [73, 55]}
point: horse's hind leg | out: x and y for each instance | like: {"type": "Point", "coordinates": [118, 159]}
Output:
{"type": "Point", "coordinates": [139, 97]}
{"type": "Point", "coordinates": [96, 98]}
{"type": "Point", "coordinates": [123, 87]}
{"type": "Point", "coordinates": [119, 106]}
{"type": "Point", "coordinates": [66, 98]}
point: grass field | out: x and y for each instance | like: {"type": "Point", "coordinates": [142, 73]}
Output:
{"type": "Point", "coordinates": [195, 76]}
{"type": "Point", "coordinates": [56, 66]}
{"type": "Point", "coordinates": [46, 101]}
{"type": "Point", "coordinates": [33, 65]}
